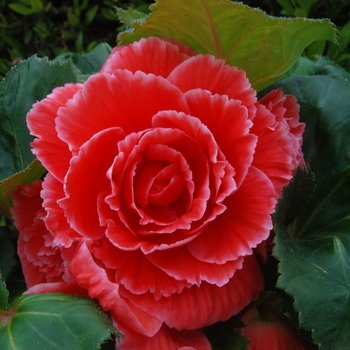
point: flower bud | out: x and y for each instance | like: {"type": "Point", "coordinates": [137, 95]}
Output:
{"type": "Point", "coordinates": [268, 329]}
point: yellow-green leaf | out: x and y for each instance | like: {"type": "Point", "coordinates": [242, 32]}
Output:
{"type": "Point", "coordinates": [264, 46]}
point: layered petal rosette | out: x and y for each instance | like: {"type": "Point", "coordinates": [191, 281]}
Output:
{"type": "Point", "coordinates": [164, 171]}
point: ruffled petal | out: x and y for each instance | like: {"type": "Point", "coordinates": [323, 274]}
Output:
{"type": "Point", "coordinates": [228, 121]}
{"type": "Point", "coordinates": [125, 240]}
{"type": "Point", "coordinates": [129, 101]}
{"type": "Point", "coordinates": [184, 49]}
{"type": "Point", "coordinates": [95, 279]}
{"type": "Point", "coordinates": [42, 260]}
{"type": "Point", "coordinates": [136, 272]}
{"type": "Point", "coordinates": [55, 219]}
{"type": "Point", "coordinates": [245, 223]}
{"type": "Point", "coordinates": [180, 264]}
{"type": "Point", "coordinates": [26, 212]}
{"type": "Point", "coordinates": [27, 207]}
{"type": "Point", "coordinates": [86, 179]}
{"type": "Point", "coordinates": [208, 73]}
{"type": "Point", "coordinates": [151, 55]}
{"type": "Point", "coordinates": [197, 307]}
{"type": "Point", "coordinates": [159, 273]}
{"type": "Point", "coordinates": [32, 274]}
{"type": "Point", "coordinates": [53, 153]}
{"type": "Point", "coordinates": [165, 339]}
{"type": "Point", "coordinates": [274, 151]}
{"type": "Point", "coordinates": [286, 107]}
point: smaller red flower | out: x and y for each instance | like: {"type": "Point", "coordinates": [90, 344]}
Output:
{"type": "Point", "coordinates": [268, 329]}
{"type": "Point", "coordinates": [44, 264]}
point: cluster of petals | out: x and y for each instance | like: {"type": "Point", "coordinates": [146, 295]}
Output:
{"type": "Point", "coordinates": [163, 172]}
{"type": "Point", "coordinates": [43, 262]}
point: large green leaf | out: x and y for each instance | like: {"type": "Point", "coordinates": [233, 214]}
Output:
{"type": "Point", "coordinates": [53, 321]}
{"type": "Point", "coordinates": [265, 47]}
{"type": "Point", "coordinates": [312, 220]}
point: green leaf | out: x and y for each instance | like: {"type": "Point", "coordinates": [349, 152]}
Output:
{"type": "Point", "coordinates": [287, 7]}
{"type": "Point", "coordinates": [21, 9]}
{"type": "Point", "coordinates": [316, 49]}
{"type": "Point", "coordinates": [91, 62]}
{"type": "Point", "coordinates": [344, 37]}
{"type": "Point", "coordinates": [324, 66]}
{"type": "Point", "coordinates": [53, 321]}
{"type": "Point", "coordinates": [129, 16]}
{"type": "Point", "coordinates": [34, 172]}
{"type": "Point", "coordinates": [26, 83]}
{"type": "Point", "coordinates": [108, 13]}
{"type": "Point", "coordinates": [82, 6]}
{"type": "Point", "coordinates": [25, 2]}
{"type": "Point", "coordinates": [303, 66]}
{"type": "Point", "coordinates": [79, 42]}
{"type": "Point", "coordinates": [90, 14]}
{"type": "Point", "coordinates": [73, 19]}
{"type": "Point", "coordinates": [36, 5]}
{"type": "Point", "coordinates": [312, 220]}
{"type": "Point", "coordinates": [263, 46]}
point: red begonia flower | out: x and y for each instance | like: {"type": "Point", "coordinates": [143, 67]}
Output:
{"type": "Point", "coordinates": [164, 171]}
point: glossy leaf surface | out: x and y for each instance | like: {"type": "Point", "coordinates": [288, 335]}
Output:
{"type": "Point", "coordinates": [313, 218]}
{"type": "Point", "coordinates": [53, 321]}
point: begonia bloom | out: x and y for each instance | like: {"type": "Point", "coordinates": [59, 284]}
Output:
{"type": "Point", "coordinates": [164, 170]}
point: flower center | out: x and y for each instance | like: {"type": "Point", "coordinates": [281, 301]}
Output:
{"type": "Point", "coordinates": [159, 184]}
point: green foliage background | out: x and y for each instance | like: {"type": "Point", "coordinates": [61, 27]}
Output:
{"type": "Point", "coordinates": [50, 28]}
